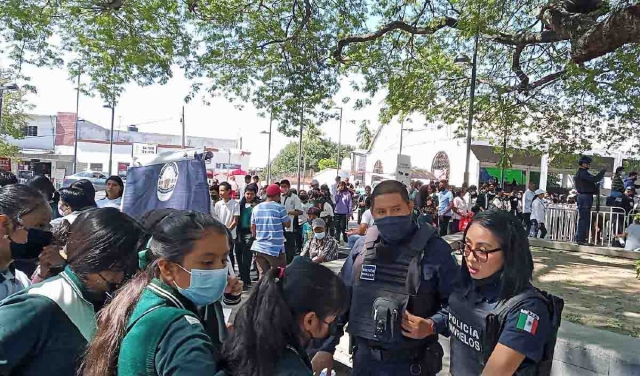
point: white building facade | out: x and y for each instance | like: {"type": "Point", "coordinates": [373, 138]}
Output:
{"type": "Point", "coordinates": [49, 145]}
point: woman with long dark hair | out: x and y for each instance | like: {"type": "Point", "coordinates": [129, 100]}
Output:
{"type": "Point", "coordinates": [499, 322]}
{"type": "Point", "coordinates": [44, 330]}
{"type": "Point", "coordinates": [113, 189]}
{"type": "Point", "coordinates": [152, 326]}
{"type": "Point", "coordinates": [45, 186]}
{"type": "Point", "coordinates": [90, 190]}
{"type": "Point", "coordinates": [24, 232]}
{"type": "Point", "coordinates": [289, 307]}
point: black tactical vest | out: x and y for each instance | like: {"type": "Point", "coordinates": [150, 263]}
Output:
{"type": "Point", "coordinates": [386, 283]}
{"type": "Point", "coordinates": [475, 327]}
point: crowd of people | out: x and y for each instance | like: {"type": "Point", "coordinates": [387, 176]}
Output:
{"type": "Point", "coordinates": [124, 296]}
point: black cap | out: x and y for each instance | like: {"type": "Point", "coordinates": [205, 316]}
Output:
{"type": "Point", "coordinates": [585, 159]}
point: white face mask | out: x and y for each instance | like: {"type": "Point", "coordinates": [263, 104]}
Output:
{"type": "Point", "coordinates": [319, 235]}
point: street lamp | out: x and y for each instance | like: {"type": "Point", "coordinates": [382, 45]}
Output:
{"type": "Point", "coordinates": [339, 142]}
{"type": "Point", "coordinates": [113, 116]}
{"type": "Point", "coordinates": [268, 153]}
{"type": "Point", "coordinates": [11, 86]}
{"type": "Point", "coordinates": [402, 130]}
{"type": "Point", "coordinates": [474, 64]}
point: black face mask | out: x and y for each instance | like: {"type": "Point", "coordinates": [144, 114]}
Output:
{"type": "Point", "coordinates": [304, 198]}
{"type": "Point", "coordinates": [36, 240]}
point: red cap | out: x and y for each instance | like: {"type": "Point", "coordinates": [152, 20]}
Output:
{"type": "Point", "coordinates": [273, 190]}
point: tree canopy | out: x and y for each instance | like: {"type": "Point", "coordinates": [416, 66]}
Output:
{"type": "Point", "coordinates": [318, 153]}
{"type": "Point", "coordinates": [563, 73]}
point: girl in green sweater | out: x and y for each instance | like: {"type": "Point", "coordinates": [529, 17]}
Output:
{"type": "Point", "coordinates": [153, 326]}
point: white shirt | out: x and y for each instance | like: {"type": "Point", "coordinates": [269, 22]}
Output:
{"type": "Point", "coordinates": [526, 201]}
{"type": "Point", "coordinates": [334, 190]}
{"type": "Point", "coordinates": [13, 283]}
{"type": "Point", "coordinates": [291, 203]}
{"type": "Point", "coordinates": [327, 211]}
{"type": "Point", "coordinates": [367, 218]}
{"type": "Point", "coordinates": [305, 207]}
{"type": "Point", "coordinates": [460, 204]}
{"type": "Point", "coordinates": [106, 203]}
{"type": "Point", "coordinates": [225, 211]}
{"type": "Point", "coordinates": [538, 210]}
{"type": "Point", "coordinates": [498, 203]}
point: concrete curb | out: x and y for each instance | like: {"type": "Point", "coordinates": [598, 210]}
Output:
{"type": "Point", "coordinates": [571, 247]}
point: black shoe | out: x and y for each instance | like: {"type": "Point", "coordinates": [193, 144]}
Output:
{"type": "Point", "coordinates": [586, 244]}
{"type": "Point", "coordinates": [246, 287]}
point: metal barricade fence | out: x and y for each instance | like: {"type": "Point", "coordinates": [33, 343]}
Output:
{"type": "Point", "coordinates": [605, 224]}
{"type": "Point", "coordinates": [561, 223]}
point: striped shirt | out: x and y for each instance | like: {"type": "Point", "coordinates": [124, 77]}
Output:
{"type": "Point", "coordinates": [268, 218]}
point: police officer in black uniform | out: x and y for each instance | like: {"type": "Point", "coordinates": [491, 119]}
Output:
{"type": "Point", "coordinates": [587, 186]}
{"type": "Point", "coordinates": [400, 276]}
{"type": "Point", "coordinates": [500, 324]}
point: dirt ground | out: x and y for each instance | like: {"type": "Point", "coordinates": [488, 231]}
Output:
{"type": "Point", "coordinates": [599, 291]}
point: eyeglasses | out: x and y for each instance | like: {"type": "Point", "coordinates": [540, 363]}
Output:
{"type": "Point", "coordinates": [480, 254]}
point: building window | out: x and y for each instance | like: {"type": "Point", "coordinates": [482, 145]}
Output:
{"type": "Point", "coordinates": [95, 166]}
{"type": "Point", "coordinates": [31, 131]}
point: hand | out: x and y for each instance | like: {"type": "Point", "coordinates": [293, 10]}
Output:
{"type": "Point", "coordinates": [322, 360]}
{"type": "Point", "coordinates": [416, 327]}
{"type": "Point", "coordinates": [234, 286]}
{"type": "Point", "coordinates": [50, 256]}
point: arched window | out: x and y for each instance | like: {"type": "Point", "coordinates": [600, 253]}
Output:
{"type": "Point", "coordinates": [377, 167]}
{"type": "Point", "coordinates": [440, 166]}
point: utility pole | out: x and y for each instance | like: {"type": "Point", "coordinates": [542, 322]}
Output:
{"type": "Point", "coordinates": [113, 118]}
{"type": "Point", "coordinates": [300, 148]}
{"type": "Point", "coordinates": [339, 161]}
{"type": "Point", "coordinates": [269, 150]}
{"type": "Point", "coordinates": [183, 129]}
{"type": "Point", "coordinates": [401, 135]}
{"type": "Point", "coordinates": [75, 138]}
{"type": "Point", "coordinates": [471, 109]}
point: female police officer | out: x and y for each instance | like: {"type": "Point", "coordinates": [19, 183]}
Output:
{"type": "Point", "coordinates": [152, 327]}
{"type": "Point", "coordinates": [496, 277]}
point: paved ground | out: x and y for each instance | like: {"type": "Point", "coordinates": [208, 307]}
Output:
{"type": "Point", "coordinates": [599, 291]}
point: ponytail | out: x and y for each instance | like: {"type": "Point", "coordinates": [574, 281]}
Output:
{"type": "Point", "coordinates": [174, 235]}
{"type": "Point", "coordinates": [268, 321]}
{"type": "Point", "coordinates": [101, 358]}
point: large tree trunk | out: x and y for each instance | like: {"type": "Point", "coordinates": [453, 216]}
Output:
{"type": "Point", "coordinates": [591, 38]}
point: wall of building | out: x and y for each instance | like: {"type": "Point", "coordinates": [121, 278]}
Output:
{"type": "Point", "coordinates": [44, 139]}
{"type": "Point", "coordinates": [422, 145]}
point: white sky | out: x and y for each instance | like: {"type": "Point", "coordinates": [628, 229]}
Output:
{"type": "Point", "coordinates": [56, 93]}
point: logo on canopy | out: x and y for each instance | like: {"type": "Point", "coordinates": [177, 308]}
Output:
{"type": "Point", "coordinates": [167, 181]}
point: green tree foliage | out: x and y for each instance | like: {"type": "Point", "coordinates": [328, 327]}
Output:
{"type": "Point", "coordinates": [319, 153]}
{"type": "Point", "coordinates": [565, 70]}
{"type": "Point", "coordinates": [364, 135]}
{"type": "Point", "coordinates": [327, 163]}
{"type": "Point", "coordinates": [14, 119]}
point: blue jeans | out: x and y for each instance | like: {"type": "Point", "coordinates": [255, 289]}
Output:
{"type": "Point", "coordinates": [353, 239]}
{"type": "Point", "coordinates": [585, 202]}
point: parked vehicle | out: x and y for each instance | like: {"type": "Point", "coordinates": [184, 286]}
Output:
{"type": "Point", "coordinates": [99, 179]}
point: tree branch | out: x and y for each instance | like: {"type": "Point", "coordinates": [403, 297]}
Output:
{"type": "Point", "coordinates": [620, 28]}
{"type": "Point", "coordinates": [391, 26]}
{"type": "Point", "coordinates": [303, 24]}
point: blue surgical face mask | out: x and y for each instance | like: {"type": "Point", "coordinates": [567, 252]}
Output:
{"type": "Point", "coordinates": [205, 286]}
{"type": "Point", "coordinates": [319, 235]}
{"type": "Point", "coordinates": [394, 229]}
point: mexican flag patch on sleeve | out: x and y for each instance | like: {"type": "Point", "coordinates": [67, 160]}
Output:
{"type": "Point", "coordinates": [528, 321]}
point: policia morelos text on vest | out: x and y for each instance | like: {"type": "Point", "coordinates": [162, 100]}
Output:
{"type": "Point", "coordinates": [414, 273]}
{"type": "Point", "coordinates": [500, 324]}
{"type": "Point", "coordinates": [478, 321]}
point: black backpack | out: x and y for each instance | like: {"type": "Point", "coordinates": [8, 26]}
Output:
{"type": "Point", "coordinates": [497, 319]}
